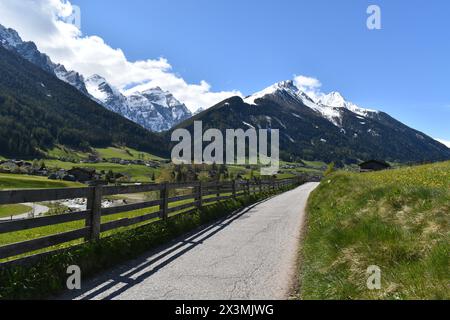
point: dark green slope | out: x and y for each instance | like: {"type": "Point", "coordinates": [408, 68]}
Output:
{"type": "Point", "coordinates": [304, 134]}
{"type": "Point", "coordinates": [37, 111]}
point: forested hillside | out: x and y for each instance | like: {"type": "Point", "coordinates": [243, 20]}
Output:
{"type": "Point", "coordinates": [38, 111]}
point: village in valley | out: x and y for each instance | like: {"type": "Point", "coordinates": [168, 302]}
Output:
{"type": "Point", "coordinates": [122, 165]}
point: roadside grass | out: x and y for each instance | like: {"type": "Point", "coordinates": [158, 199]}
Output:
{"type": "Point", "coordinates": [396, 219]}
{"type": "Point", "coordinates": [48, 276]}
{"type": "Point", "coordinates": [13, 210]}
{"type": "Point", "coordinates": [20, 181]}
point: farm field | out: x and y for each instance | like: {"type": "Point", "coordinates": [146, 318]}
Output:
{"type": "Point", "coordinates": [397, 220]}
{"type": "Point", "coordinates": [126, 154]}
{"type": "Point", "coordinates": [20, 181]}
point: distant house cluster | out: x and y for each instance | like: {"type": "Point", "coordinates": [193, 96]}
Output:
{"type": "Point", "coordinates": [87, 175]}
{"type": "Point", "coordinates": [148, 163]}
{"type": "Point", "coordinates": [23, 167]}
{"type": "Point", "coordinates": [75, 174]}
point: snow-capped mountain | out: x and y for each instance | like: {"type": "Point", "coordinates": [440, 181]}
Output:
{"type": "Point", "coordinates": [108, 96]}
{"type": "Point", "coordinates": [327, 127]}
{"type": "Point", "coordinates": [336, 100]}
{"type": "Point", "coordinates": [165, 105]}
{"type": "Point", "coordinates": [154, 109]}
{"type": "Point", "coordinates": [330, 106]}
{"type": "Point", "coordinates": [11, 40]}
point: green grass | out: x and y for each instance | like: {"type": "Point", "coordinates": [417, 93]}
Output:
{"type": "Point", "coordinates": [61, 152]}
{"type": "Point", "coordinates": [315, 164]}
{"type": "Point", "coordinates": [18, 181]}
{"type": "Point", "coordinates": [396, 219]}
{"type": "Point", "coordinates": [125, 154]}
{"type": "Point", "coordinates": [13, 210]}
{"type": "Point", "coordinates": [315, 168]}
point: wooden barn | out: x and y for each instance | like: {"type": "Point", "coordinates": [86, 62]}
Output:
{"type": "Point", "coordinates": [373, 165]}
{"type": "Point", "coordinates": [82, 174]}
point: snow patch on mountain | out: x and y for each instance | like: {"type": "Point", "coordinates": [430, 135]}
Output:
{"type": "Point", "coordinates": [10, 40]}
{"type": "Point", "coordinates": [96, 87]}
{"type": "Point", "coordinates": [286, 88]}
{"type": "Point", "coordinates": [154, 109]}
{"type": "Point", "coordinates": [248, 125]}
{"type": "Point", "coordinates": [336, 100]}
{"type": "Point", "coordinates": [330, 106]}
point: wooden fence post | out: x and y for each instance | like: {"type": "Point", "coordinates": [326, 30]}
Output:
{"type": "Point", "coordinates": [234, 188]}
{"type": "Point", "coordinates": [218, 189]}
{"type": "Point", "coordinates": [93, 220]}
{"type": "Point", "coordinates": [199, 197]}
{"type": "Point", "coordinates": [164, 197]}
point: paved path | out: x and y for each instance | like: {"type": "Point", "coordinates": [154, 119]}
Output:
{"type": "Point", "coordinates": [250, 255]}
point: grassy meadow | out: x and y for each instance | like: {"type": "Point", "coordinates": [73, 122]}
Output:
{"type": "Point", "coordinates": [21, 181]}
{"type": "Point", "coordinates": [397, 220]}
{"type": "Point", "coordinates": [13, 210]}
{"type": "Point", "coordinates": [125, 153]}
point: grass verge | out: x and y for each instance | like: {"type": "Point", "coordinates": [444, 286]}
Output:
{"type": "Point", "coordinates": [397, 220]}
{"type": "Point", "coordinates": [48, 276]}
{"type": "Point", "coordinates": [9, 210]}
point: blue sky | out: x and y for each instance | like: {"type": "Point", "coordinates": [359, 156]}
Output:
{"type": "Point", "coordinates": [402, 69]}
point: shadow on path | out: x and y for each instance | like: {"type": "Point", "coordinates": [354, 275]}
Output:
{"type": "Point", "coordinates": [124, 273]}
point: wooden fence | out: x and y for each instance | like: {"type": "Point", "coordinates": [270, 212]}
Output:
{"type": "Point", "coordinates": [199, 193]}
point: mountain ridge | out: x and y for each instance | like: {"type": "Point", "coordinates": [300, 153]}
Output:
{"type": "Point", "coordinates": [39, 111]}
{"type": "Point", "coordinates": [149, 115]}
{"type": "Point", "coordinates": [311, 130]}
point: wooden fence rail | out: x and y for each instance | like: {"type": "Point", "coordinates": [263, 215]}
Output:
{"type": "Point", "coordinates": [197, 193]}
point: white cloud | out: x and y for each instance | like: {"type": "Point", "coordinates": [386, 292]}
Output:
{"type": "Point", "coordinates": [444, 142]}
{"type": "Point", "coordinates": [310, 86]}
{"type": "Point", "coordinates": [42, 21]}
